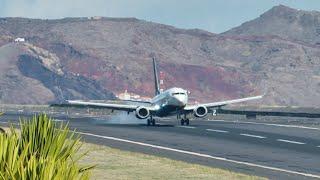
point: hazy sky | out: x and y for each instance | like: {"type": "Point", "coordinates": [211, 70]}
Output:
{"type": "Point", "coordinates": [212, 15]}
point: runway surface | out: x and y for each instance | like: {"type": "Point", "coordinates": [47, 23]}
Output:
{"type": "Point", "coordinates": [273, 150]}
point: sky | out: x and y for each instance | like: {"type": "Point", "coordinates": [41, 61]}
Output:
{"type": "Point", "coordinates": [212, 15]}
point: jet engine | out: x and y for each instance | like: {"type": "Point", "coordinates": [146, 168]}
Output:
{"type": "Point", "coordinates": [200, 111]}
{"type": "Point", "coordinates": [142, 113]}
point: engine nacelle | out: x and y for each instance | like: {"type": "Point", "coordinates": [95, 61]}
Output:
{"type": "Point", "coordinates": [200, 111]}
{"type": "Point", "coordinates": [142, 113]}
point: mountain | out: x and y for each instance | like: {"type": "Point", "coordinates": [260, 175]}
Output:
{"type": "Point", "coordinates": [116, 53]}
{"type": "Point", "coordinates": [96, 58]}
{"type": "Point", "coordinates": [31, 75]}
{"type": "Point", "coordinates": [284, 22]}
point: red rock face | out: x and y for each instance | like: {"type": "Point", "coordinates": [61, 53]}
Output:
{"type": "Point", "coordinates": [204, 83]}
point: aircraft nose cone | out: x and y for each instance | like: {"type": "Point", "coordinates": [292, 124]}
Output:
{"type": "Point", "coordinates": [181, 100]}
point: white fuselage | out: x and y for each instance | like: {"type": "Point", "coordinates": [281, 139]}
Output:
{"type": "Point", "coordinates": [170, 101]}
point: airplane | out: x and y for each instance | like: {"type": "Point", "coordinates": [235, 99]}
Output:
{"type": "Point", "coordinates": [173, 101]}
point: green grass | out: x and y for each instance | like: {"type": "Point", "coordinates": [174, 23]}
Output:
{"type": "Point", "coordinates": [117, 164]}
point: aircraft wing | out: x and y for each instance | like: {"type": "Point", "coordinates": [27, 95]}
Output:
{"type": "Point", "coordinates": [113, 106]}
{"type": "Point", "coordinates": [137, 101]}
{"type": "Point", "coordinates": [222, 103]}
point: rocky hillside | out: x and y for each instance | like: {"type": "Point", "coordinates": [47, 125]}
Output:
{"type": "Point", "coordinates": [91, 57]}
{"type": "Point", "coordinates": [284, 22]}
{"type": "Point", "coordinates": [31, 75]}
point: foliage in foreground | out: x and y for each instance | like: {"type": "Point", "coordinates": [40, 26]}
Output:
{"type": "Point", "coordinates": [43, 150]}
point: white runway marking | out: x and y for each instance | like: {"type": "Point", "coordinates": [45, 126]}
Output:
{"type": "Point", "coordinates": [292, 142]}
{"type": "Point", "coordinates": [58, 120]}
{"type": "Point", "coordinates": [188, 127]}
{"type": "Point", "coordinates": [266, 124]}
{"type": "Point", "coordinates": [9, 123]}
{"type": "Point", "coordinates": [217, 130]}
{"type": "Point", "coordinates": [202, 155]}
{"type": "Point", "coordinates": [254, 136]}
{"type": "Point", "coordinates": [166, 120]}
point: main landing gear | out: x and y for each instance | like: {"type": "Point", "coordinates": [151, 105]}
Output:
{"type": "Point", "coordinates": [184, 120]}
{"type": "Point", "coordinates": [151, 121]}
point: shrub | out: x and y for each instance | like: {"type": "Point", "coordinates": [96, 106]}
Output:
{"type": "Point", "coordinates": [43, 150]}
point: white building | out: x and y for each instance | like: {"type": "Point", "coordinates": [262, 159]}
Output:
{"type": "Point", "coordinates": [19, 40]}
{"type": "Point", "coordinates": [124, 96]}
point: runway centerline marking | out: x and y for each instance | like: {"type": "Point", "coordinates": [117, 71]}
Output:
{"type": "Point", "coordinates": [217, 130]}
{"type": "Point", "coordinates": [201, 155]}
{"type": "Point", "coordinates": [292, 142]}
{"type": "Point", "coordinates": [58, 120]}
{"type": "Point", "coordinates": [2, 122]}
{"type": "Point", "coordinates": [166, 120]}
{"type": "Point", "coordinates": [254, 136]}
{"type": "Point", "coordinates": [266, 124]}
{"type": "Point", "coordinates": [188, 127]}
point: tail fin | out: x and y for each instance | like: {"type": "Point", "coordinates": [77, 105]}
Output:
{"type": "Point", "coordinates": [156, 80]}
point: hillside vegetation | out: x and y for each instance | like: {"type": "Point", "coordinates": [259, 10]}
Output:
{"type": "Point", "coordinates": [82, 58]}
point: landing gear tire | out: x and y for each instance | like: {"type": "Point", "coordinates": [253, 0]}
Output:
{"type": "Point", "coordinates": [182, 122]}
{"type": "Point", "coordinates": [151, 122]}
{"type": "Point", "coordinates": [187, 121]}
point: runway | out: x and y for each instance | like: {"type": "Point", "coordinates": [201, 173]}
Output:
{"type": "Point", "coordinates": [273, 150]}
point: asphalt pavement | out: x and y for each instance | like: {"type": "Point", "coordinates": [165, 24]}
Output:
{"type": "Point", "coordinates": [273, 150]}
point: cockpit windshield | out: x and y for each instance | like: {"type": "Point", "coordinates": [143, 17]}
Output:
{"type": "Point", "coordinates": [178, 93]}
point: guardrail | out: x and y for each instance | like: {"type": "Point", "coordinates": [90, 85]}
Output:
{"type": "Point", "coordinates": [253, 114]}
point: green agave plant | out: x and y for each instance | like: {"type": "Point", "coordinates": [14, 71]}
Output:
{"type": "Point", "coordinates": [43, 150]}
